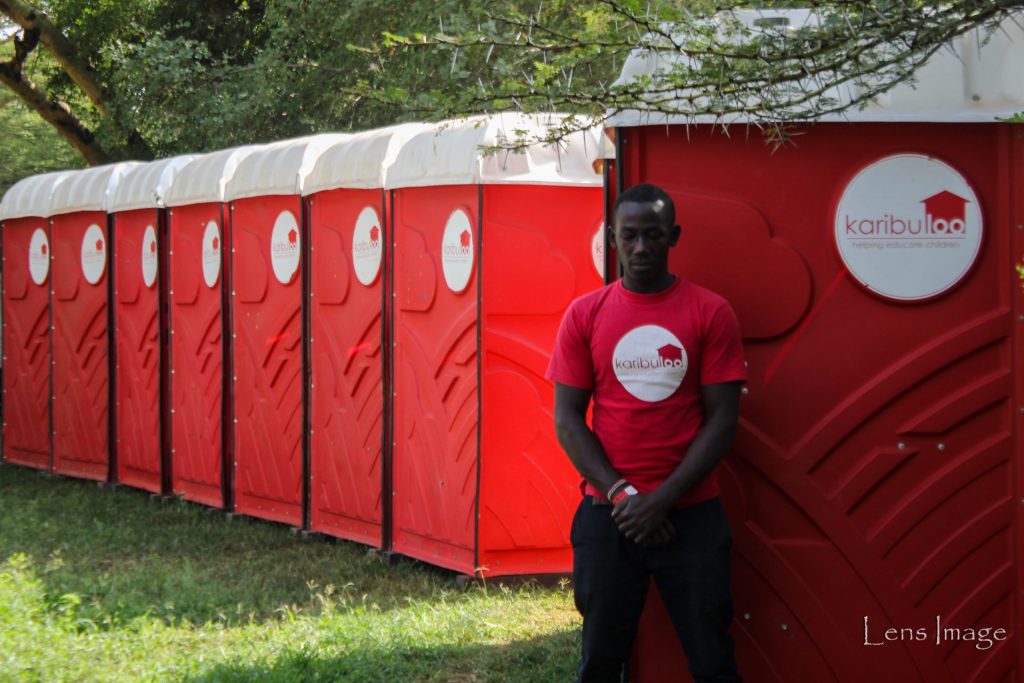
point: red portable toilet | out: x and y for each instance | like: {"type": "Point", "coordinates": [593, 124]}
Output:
{"type": "Point", "coordinates": [266, 323]}
{"type": "Point", "coordinates": [24, 214]}
{"type": "Point", "coordinates": [489, 249]}
{"type": "Point", "coordinates": [81, 326]}
{"type": "Point", "coordinates": [139, 238]}
{"type": "Point", "coordinates": [348, 274]}
{"type": "Point", "coordinates": [876, 482]}
{"type": "Point", "coordinates": [197, 296]}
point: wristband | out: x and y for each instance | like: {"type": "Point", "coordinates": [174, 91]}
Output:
{"type": "Point", "coordinates": [624, 493]}
{"type": "Point", "coordinates": [615, 487]}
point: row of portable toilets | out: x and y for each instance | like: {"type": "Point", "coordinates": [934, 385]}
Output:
{"type": "Point", "coordinates": [343, 333]}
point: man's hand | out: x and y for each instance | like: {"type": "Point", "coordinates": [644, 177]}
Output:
{"type": "Point", "coordinates": [642, 518]}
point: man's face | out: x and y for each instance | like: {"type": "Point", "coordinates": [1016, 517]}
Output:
{"type": "Point", "coordinates": [643, 236]}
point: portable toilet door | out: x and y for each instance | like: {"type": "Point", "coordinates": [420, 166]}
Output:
{"type": "Point", "coordinates": [348, 271]}
{"type": "Point", "coordinates": [199, 445]}
{"type": "Point", "coordinates": [489, 250]}
{"type": "Point", "coordinates": [269, 423]}
{"type": "Point", "coordinates": [139, 243]}
{"type": "Point", "coordinates": [81, 326]}
{"type": "Point", "coordinates": [24, 215]}
{"type": "Point", "coordinates": [875, 486]}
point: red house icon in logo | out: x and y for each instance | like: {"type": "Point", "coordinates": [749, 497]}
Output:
{"type": "Point", "coordinates": [99, 245]}
{"type": "Point", "coordinates": [215, 243]}
{"type": "Point", "coordinates": [464, 239]}
{"type": "Point", "coordinates": [42, 248]}
{"type": "Point", "coordinates": [152, 247]}
{"type": "Point", "coordinates": [947, 211]}
{"type": "Point", "coordinates": [292, 236]}
{"type": "Point", "coordinates": [670, 352]}
{"type": "Point", "coordinates": [374, 233]}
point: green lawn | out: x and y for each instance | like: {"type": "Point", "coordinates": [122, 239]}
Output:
{"type": "Point", "coordinates": [107, 585]}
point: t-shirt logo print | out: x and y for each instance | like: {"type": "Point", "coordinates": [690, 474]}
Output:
{"type": "Point", "coordinates": [650, 362]}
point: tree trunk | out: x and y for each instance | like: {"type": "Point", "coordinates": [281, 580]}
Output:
{"type": "Point", "coordinates": [56, 113]}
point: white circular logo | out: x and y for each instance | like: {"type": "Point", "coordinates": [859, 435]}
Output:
{"type": "Point", "coordinates": [149, 256]}
{"type": "Point", "coordinates": [597, 250]}
{"type": "Point", "coordinates": [211, 254]}
{"type": "Point", "coordinates": [94, 254]}
{"type": "Point", "coordinates": [650, 362]}
{"type": "Point", "coordinates": [908, 227]}
{"type": "Point", "coordinates": [284, 247]}
{"type": "Point", "coordinates": [39, 256]}
{"type": "Point", "coordinates": [457, 251]}
{"type": "Point", "coordinates": [367, 241]}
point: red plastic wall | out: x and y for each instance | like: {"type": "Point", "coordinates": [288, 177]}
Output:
{"type": "Point", "coordinates": [196, 358]}
{"type": "Point", "coordinates": [435, 385]}
{"type": "Point", "coordinates": [80, 368]}
{"type": "Point", "coordinates": [137, 340]}
{"type": "Point", "coordinates": [267, 350]}
{"type": "Point", "coordinates": [347, 370]}
{"type": "Point", "coordinates": [26, 348]}
{"type": "Point", "coordinates": [876, 473]}
{"type": "Point", "coordinates": [535, 262]}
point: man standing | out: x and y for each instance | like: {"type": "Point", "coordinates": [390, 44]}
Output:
{"type": "Point", "coordinates": [662, 360]}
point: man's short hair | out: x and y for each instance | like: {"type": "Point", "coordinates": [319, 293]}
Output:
{"type": "Point", "coordinates": [645, 193]}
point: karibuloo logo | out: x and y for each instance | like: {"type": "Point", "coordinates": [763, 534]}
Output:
{"type": "Point", "coordinates": [908, 227]}
{"type": "Point", "coordinates": [650, 362]}
{"type": "Point", "coordinates": [39, 256]}
{"type": "Point", "coordinates": [94, 254]}
{"type": "Point", "coordinates": [457, 251]}
{"type": "Point", "coordinates": [149, 256]}
{"type": "Point", "coordinates": [597, 250]}
{"type": "Point", "coordinates": [284, 247]}
{"type": "Point", "coordinates": [211, 254]}
{"type": "Point", "coordinates": [367, 246]}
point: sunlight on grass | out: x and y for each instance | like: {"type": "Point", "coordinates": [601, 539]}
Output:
{"type": "Point", "coordinates": [107, 586]}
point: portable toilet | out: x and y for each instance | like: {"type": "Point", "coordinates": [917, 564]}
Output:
{"type": "Point", "coordinates": [489, 249]}
{"type": "Point", "coordinates": [875, 486]}
{"type": "Point", "coordinates": [349, 270]}
{"type": "Point", "coordinates": [80, 289]}
{"type": "Point", "coordinates": [268, 380]}
{"type": "Point", "coordinates": [24, 214]}
{"type": "Point", "coordinates": [198, 298]}
{"type": "Point", "coordinates": [139, 245]}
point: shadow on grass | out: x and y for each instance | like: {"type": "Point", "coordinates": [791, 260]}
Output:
{"type": "Point", "coordinates": [127, 556]}
{"type": "Point", "coordinates": [544, 659]}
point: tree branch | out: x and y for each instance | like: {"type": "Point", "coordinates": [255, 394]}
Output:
{"type": "Point", "coordinates": [60, 47]}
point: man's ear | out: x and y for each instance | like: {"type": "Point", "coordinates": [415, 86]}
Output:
{"type": "Point", "coordinates": [676, 232]}
{"type": "Point", "coordinates": [609, 236]}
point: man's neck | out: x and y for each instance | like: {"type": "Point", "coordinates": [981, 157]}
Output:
{"type": "Point", "coordinates": [653, 287]}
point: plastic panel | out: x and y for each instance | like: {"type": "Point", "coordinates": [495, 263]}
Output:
{"type": "Point", "coordinates": [196, 358]}
{"type": "Point", "coordinates": [435, 385]}
{"type": "Point", "coordinates": [26, 348]}
{"type": "Point", "coordinates": [80, 368]}
{"type": "Point", "coordinates": [534, 264]}
{"type": "Point", "coordinates": [267, 389]}
{"type": "Point", "coordinates": [347, 369]}
{"type": "Point", "coordinates": [873, 470]}
{"type": "Point", "coordinates": [137, 338]}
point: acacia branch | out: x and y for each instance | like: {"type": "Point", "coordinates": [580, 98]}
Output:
{"type": "Point", "coordinates": [58, 45]}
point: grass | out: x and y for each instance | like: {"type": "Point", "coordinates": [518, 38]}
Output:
{"type": "Point", "coordinates": [106, 585]}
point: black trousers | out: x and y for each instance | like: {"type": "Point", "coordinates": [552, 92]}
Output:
{"type": "Point", "coordinates": [611, 575]}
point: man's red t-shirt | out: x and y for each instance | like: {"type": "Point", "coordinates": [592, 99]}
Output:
{"type": "Point", "coordinates": [645, 357]}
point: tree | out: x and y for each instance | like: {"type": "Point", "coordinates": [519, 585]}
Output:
{"type": "Point", "coordinates": [710, 61]}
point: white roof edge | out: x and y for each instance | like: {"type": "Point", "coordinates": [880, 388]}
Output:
{"type": "Point", "coordinates": [90, 189]}
{"type": "Point", "coordinates": [204, 178]}
{"type": "Point", "coordinates": [973, 79]}
{"type": "Point", "coordinates": [279, 168]}
{"type": "Point", "coordinates": [361, 161]}
{"type": "Point", "coordinates": [31, 197]}
{"type": "Point", "coordinates": [450, 153]}
{"type": "Point", "coordinates": [144, 187]}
